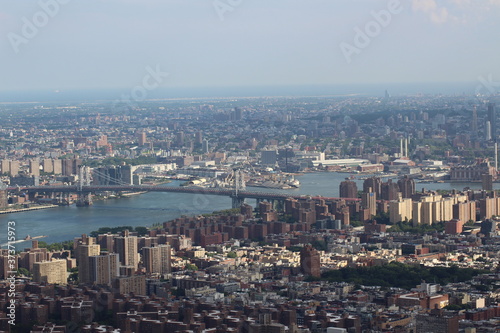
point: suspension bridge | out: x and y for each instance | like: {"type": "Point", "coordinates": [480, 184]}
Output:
{"type": "Point", "coordinates": [84, 188]}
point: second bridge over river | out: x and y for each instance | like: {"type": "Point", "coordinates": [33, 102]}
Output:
{"type": "Point", "coordinates": [238, 197]}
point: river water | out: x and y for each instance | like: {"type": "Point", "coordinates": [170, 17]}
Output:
{"type": "Point", "coordinates": [66, 222]}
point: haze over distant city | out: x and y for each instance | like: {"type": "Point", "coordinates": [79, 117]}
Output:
{"type": "Point", "coordinates": [255, 47]}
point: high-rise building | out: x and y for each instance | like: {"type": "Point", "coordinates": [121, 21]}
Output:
{"type": "Point", "coordinates": [310, 261]}
{"type": "Point", "coordinates": [465, 211]}
{"type": "Point", "coordinates": [5, 166]}
{"type": "Point", "coordinates": [390, 191]}
{"type": "Point", "coordinates": [157, 259]}
{"type": "Point", "coordinates": [14, 168]}
{"type": "Point", "coordinates": [103, 269]}
{"type": "Point", "coordinates": [48, 165]}
{"type": "Point", "coordinates": [103, 141]}
{"type": "Point", "coordinates": [10, 167]}
{"type": "Point", "coordinates": [488, 207]}
{"type": "Point", "coordinates": [3, 196]}
{"type": "Point", "coordinates": [126, 247]}
{"type": "Point", "coordinates": [70, 166]}
{"type": "Point", "coordinates": [348, 189]}
{"type": "Point", "coordinates": [269, 157]}
{"type": "Point", "coordinates": [406, 186]}
{"type": "Point", "coordinates": [369, 201]}
{"type": "Point", "coordinates": [238, 114]}
{"type": "Point", "coordinates": [488, 227]}
{"type": "Point", "coordinates": [34, 166]}
{"type": "Point", "coordinates": [487, 182]}
{"type": "Point", "coordinates": [179, 139]}
{"type": "Point", "coordinates": [473, 126]}
{"type": "Point", "coordinates": [57, 165]}
{"type": "Point", "coordinates": [114, 175]}
{"type": "Point", "coordinates": [198, 137]}
{"type": "Point", "coordinates": [205, 147]}
{"type": "Point", "coordinates": [492, 118]}
{"type": "Point", "coordinates": [375, 183]}
{"type": "Point", "coordinates": [83, 250]}
{"type": "Point", "coordinates": [50, 272]}
{"type": "Point", "coordinates": [141, 136]}
{"type": "Point", "coordinates": [400, 210]}
{"type": "Point", "coordinates": [487, 130]}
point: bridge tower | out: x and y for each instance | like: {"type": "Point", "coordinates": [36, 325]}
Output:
{"type": "Point", "coordinates": [239, 185]}
{"type": "Point", "coordinates": [84, 198]}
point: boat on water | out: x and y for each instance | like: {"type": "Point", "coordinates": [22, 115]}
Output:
{"type": "Point", "coordinates": [282, 183]}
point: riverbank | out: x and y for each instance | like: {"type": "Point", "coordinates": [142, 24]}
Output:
{"type": "Point", "coordinates": [20, 210]}
{"type": "Point", "coordinates": [131, 194]}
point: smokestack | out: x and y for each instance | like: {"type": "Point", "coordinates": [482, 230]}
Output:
{"type": "Point", "coordinates": [406, 147]}
{"type": "Point", "coordinates": [401, 148]}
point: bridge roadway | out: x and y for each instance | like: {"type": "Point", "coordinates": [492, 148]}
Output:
{"type": "Point", "coordinates": [149, 188]}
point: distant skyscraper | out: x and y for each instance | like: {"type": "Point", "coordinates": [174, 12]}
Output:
{"type": "Point", "coordinates": [5, 166]}
{"type": "Point", "coordinates": [14, 168]}
{"type": "Point", "coordinates": [10, 167]}
{"type": "Point", "coordinates": [198, 137]}
{"type": "Point", "coordinates": [142, 138]}
{"type": "Point", "coordinates": [205, 146]}
{"type": "Point", "coordinates": [34, 166]}
{"type": "Point", "coordinates": [369, 201]}
{"type": "Point", "coordinates": [238, 114]}
{"type": "Point", "coordinates": [310, 261]}
{"type": "Point", "coordinates": [48, 165]}
{"type": "Point", "coordinates": [348, 189]}
{"type": "Point", "coordinates": [473, 126]}
{"type": "Point", "coordinates": [179, 139]}
{"type": "Point", "coordinates": [487, 130]}
{"type": "Point", "coordinates": [57, 165]}
{"type": "Point", "coordinates": [492, 118]}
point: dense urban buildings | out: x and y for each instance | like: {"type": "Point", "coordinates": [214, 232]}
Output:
{"type": "Point", "coordinates": [387, 250]}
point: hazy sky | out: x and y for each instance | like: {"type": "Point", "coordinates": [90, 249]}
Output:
{"type": "Point", "coordinates": [110, 43]}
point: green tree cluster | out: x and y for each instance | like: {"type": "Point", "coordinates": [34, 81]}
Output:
{"type": "Point", "coordinates": [418, 229]}
{"type": "Point", "coordinates": [400, 275]}
{"type": "Point", "coordinates": [141, 231]}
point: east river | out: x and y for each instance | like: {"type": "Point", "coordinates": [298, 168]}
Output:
{"type": "Point", "coordinates": [66, 222]}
